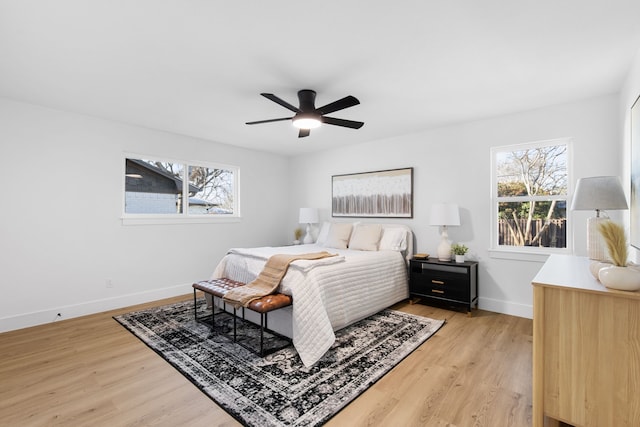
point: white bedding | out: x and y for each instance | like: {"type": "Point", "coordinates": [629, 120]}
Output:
{"type": "Point", "coordinates": [328, 294]}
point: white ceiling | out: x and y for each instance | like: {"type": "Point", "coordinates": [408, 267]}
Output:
{"type": "Point", "coordinates": [197, 67]}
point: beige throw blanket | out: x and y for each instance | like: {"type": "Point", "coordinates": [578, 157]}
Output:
{"type": "Point", "coordinates": [269, 278]}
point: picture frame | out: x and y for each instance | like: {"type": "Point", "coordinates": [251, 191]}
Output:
{"type": "Point", "coordinates": [377, 194]}
{"type": "Point", "coordinates": [634, 205]}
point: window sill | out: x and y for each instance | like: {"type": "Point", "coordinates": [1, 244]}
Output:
{"type": "Point", "coordinates": [521, 255]}
{"type": "Point", "coordinates": [175, 220]}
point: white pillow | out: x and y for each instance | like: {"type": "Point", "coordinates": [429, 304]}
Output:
{"type": "Point", "coordinates": [393, 239]}
{"type": "Point", "coordinates": [365, 237]}
{"type": "Point", "coordinates": [338, 236]}
{"type": "Point", "coordinates": [324, 232]}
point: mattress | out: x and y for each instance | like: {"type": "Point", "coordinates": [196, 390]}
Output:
{"type": "Point", "coordinates": [328, 294]}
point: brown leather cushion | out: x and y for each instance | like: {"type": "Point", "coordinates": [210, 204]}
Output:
{"type": "Point", "coordinates": [270, 302]}
{"type": "Point", "coordinates": [219, 287]}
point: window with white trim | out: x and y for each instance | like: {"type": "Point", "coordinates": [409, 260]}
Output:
{"type": "Point", "coordinates": [530, 187]}
{"type": "Point", "coordinates": [161, 188]}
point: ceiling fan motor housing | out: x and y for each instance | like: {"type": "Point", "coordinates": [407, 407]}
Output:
{"type": "Point", "coordinates": [307, 99]}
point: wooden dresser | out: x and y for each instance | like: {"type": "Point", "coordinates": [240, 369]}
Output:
{"type": "Point", "coordinates": [586, 348]}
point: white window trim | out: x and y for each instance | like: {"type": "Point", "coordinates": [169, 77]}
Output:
{"type": "Point", "coordinates": [184, 218]}
{"type": "Point", "coordinates": [526, 253]}
{"type": "Point", "coordinates": [148, 219]}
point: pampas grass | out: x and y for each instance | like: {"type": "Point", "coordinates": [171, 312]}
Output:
{"type": "Point", "coordinates": [614, 237]}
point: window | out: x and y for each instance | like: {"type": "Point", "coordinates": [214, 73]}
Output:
{"type": "Point", "coordinates": [530, 192]}
{"type": "Point", "coordinates": [155, 188]}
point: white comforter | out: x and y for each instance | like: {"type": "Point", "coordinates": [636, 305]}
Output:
{"type": "Point", "coordinates": [328, 294]}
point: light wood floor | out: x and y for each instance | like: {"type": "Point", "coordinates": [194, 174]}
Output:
{"type": "Point", "coordinates": [90, 371]}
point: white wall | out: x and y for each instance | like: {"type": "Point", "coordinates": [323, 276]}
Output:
{"type": "Point", "coordinates": [61, 236]}
{"type": "Point", "coordinates": [452, 164]}
{"type": "Point", "coordinates": [61, 241]}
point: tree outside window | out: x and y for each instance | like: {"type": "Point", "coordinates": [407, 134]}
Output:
{"type": "Point", "coordinates": [215, 190]}
{"type": "Point", "coordinates": [160, 187]}
{"type": "Point", "coordinates": [530, 190]}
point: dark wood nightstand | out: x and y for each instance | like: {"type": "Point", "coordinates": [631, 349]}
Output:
{"type": "Point", "coordinates": [445, 283]}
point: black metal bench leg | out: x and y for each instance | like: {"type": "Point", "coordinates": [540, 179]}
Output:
{"type": "Point", "coordinates": [195, 307]}
{"type": "Point", "coordinates": [213, 313]}
{"type": "Point", "coordinates": [263, 324]}
{"type": "Point", "coordinates": [234, 325]}
{"type": "Point", "coordinates": [213, 308]}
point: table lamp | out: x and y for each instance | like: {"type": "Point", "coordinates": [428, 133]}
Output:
{"type": "Point", "coordinates": [598, 193]}
{"type": "Point", "coordinates": [308, 216]}
{"type": "Point", "coordinates": [444, 215]}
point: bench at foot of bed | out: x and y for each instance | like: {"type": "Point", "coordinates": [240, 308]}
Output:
{"type": "Point", "coordinates": [217, 288]}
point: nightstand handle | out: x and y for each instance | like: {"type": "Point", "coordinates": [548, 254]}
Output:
{"type": "Point", "coordinates": [437, 291]}
{"type": "Point", "coordinates": [437, 282]}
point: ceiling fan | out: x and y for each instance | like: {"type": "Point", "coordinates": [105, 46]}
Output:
{"type": "Point", "coordinates": [308, 117]}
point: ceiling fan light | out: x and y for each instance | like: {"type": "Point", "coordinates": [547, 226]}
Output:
{"type": "Point", "coordinates": [306, 122]}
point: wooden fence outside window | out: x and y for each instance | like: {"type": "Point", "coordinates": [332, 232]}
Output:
{"type": "Point", "coordinates": [553, 236]}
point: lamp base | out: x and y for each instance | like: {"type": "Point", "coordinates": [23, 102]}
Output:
{"type": "Point", "coordinates": [596, 247]}
{"type": "Point", "coordinates": [444, 248]}
{"type": "Point", "coordinates": [308, 238]}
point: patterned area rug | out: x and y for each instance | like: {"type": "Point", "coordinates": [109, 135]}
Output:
{"type": "Point", "coordinates": [278, 390]}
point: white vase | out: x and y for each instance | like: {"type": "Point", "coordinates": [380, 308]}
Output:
{"type": "Point", "coordinates": [621, 278]}
{"type": "Point", "coordinates": [459, 258]}
{"type": "Point", "coordinates": [596, 266]}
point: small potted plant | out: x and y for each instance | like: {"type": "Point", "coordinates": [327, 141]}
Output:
{"type": "Point", "coordinates": [297, 234]}
{"type": "Point", "coordinates": [459, 250]}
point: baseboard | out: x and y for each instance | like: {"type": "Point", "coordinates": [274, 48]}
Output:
{"type": "Point", "coordinates": [91, 307]}
{"type": "Point", "coordinates": [506, 307]}
{"type": "Point", "coordinates": [70, 311]}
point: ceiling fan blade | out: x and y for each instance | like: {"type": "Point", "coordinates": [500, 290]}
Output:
{"type": "Point", "coordinates": [277, 100]}
{"type": "Point", "coordinates": [269, 121]}
{"type": "Point", "coordinates": [342, 122]}
{"type": "Point", "coordinates": [304, 132]}
{"type": "Point", "coordinates": [341, 104]}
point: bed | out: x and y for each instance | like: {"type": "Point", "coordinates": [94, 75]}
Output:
{"type": "Point", "coordinates": [368, 274]}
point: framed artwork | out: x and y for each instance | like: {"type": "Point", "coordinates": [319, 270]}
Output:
{"type": "Point", "coordinates": [379, 194]}
{"type": "Point", "coordinates": [634, 234]}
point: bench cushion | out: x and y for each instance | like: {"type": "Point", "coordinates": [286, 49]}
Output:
{"type": "Point", "coordinates": [217, 287]}
{"type": "Point", "coordinates": [265, 304]}
{"type": "Point", "coordinates": [269, 303]}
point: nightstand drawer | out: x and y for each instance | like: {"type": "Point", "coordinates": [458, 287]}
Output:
{"type": "Point", "coordinates": [442, 278]}
{"type": "Point", "coordinates": [439, 286]}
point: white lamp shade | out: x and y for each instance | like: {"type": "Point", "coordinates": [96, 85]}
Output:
{"type": "Point", "coordinates": [308, 216]}
{"type": "Point", "coordinates": [445, 214]}
{"type": "Point", "coordinates": [599, 193]}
